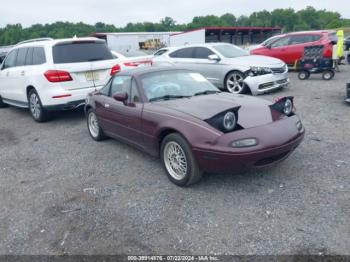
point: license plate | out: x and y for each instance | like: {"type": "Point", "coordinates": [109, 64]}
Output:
{"type": "Point", "coordinates": [92, 76]}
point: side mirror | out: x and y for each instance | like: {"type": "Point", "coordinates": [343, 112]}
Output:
{"type": "Point", "coordinates": [214, 57]}
{"type": "Point", "coordinates": [334, 42]}
{"type": "Point", "coordinates": [268, 46]}
{"type": "Point", "coordinates": [122, 97]}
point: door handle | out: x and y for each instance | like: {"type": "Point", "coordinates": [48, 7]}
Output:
{"type": "Point", "coordinates": [8, 73]}
{"type": "Point", "coordinates": [22, 73]}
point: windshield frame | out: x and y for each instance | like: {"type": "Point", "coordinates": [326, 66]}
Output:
{"type": "Point", "coordinates": [148, 99]}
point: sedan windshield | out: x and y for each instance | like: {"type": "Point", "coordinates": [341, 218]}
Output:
{"type": "Point", "coordinates": [230, 51]}
{"type": "Point", "coordinates": [166, 85]}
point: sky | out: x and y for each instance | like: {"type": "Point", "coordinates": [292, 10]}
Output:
{"type": "Point", "coordinates": [120, 12]}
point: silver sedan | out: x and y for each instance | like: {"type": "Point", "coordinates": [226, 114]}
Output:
{"type": "Point", "coordinates": [228, 66]}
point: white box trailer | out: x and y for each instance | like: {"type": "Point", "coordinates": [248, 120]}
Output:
{"type": "Point", "coordinates": [147, 42]}
{"type": "Point", "coordinates": [187, 38]}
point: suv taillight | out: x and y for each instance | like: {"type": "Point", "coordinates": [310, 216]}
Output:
{"type": "Point", "coordinates": [55, 76]}
{"type": "Point", "coordinates": [115, 69]}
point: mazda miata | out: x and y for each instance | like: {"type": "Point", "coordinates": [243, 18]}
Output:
{"type": "Point", "coordinates": [180, 116]}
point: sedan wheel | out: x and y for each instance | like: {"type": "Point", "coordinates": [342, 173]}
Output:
{"type": "Point", "coordinates": [94, 127]}
{"type": "Point", "coordinates": [37, 111]}
{"type": "Point", "coordinates": [235, 83]}
{"type": "Point", "coordinates": [178, 161]}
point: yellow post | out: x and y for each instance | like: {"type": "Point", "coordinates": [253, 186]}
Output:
{"type": "Point", "coordinates": [340, 44]}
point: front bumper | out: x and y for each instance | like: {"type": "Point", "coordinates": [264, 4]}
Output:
{"type": "Point", "coordinates": [276, 142]}
{"type": "Point", "coordinates": [266, 83]}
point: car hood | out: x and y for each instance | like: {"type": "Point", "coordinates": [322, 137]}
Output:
{"type": "Point", "coordinates": [252, 111]}
{"type": "Point", "coordinates": [255, 60]}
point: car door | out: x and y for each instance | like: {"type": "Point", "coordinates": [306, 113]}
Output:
{"type": "Point", "coordinates": [183, 57]}
{"type": "Point", "coordinates": [123, 119]}
{"type": "Point", "coordinates": [18, 90]}
{"type": "Point", "coordinates": [210, 69]}
{"type": "Point", "coordinates": [279, 49]}
{"type": "Point", "coordinates": [299, 42]}
{"type": "Point", "coordinates": [7, 75]}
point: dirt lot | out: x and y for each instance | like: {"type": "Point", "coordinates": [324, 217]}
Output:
{"type": "Point", "coordinates": [61, 192]}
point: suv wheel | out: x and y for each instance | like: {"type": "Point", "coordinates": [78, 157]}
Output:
{"type": "Point", "coordinates": [234, 83]}
{"type": "Point", "coordinates": [178, 161]}
{"type": "Point", "coordinates": [2, 104]}
{"type": "Point", "coordinates": [37, 111]}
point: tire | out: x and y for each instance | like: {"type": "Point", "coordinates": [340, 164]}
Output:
{"type": "Point", "coordinates": [94, 128]}
{"type": "Point", "coordinates": [191, 173]}
{"type": "Point", "coordinates": [303, 75]}
{"type": "Point", "coordinates": [2, 104]}
{"type": "Point", "coordinates": [234, 82]}
{"type": "Point", "coordinates": [36, 109]}
{"type": "Point", "coordinates": [328, 75]}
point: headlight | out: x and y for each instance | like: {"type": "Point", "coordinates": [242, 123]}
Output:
{"type": "Point", "coordinates": [288, 107]}
{"type": "Point", "coordinates": [284, 105]}
{"type": "Point", "coordinates": [226, 121]}
{"type": "Point", "coordinates": [248, 142]}
{"type": "Point", "coordinates": [255, 71]}
{"type": "Point", "coordinates": [229, 121]}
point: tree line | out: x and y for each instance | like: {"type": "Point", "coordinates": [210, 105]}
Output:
{"type": "Point", "coordinates": [288, 19]}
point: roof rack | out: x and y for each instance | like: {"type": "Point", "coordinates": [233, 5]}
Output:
{"type": "Point", "coordinates": [35, 40]}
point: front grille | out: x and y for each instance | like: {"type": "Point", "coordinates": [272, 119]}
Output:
{"type": "Point", "coordinates": [266, 85]}
{"type": "Point", "coordinates": [271, 84]}
{"type": "Point", "coordinates": [270, 160]}
{"type": "Point", "coordinates": [279, 70]}
{"type": "Point", "coordinates": [282, 81]}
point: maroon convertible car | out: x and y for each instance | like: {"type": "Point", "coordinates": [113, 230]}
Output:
{"type": "Point", "coordinates": [182, 117]}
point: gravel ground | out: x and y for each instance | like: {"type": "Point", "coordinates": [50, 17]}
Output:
{"type": "Point", "coordinates": [63, 193]}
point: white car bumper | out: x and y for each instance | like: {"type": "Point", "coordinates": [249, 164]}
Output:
{"type": "Point", "coordinates": [266, 83]}
{"type": "Point", "coordinates": [61, 99]}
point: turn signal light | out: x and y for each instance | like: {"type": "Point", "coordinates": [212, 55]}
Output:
{"type": "Point", "coordinates": [115, 69]}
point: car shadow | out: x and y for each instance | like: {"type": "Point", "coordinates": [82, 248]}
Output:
{"type": "Point", "coordinates": [68, 115]}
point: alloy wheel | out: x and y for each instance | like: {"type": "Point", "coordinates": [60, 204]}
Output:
{"type": "Point", "coordinates": [234, 83]}
{"type": "Point", "coordinates": [175, 160]}
{"type": "Point", "coordinates": [93, 125]}
{"type": "Point", "coordinates": [35, 106]}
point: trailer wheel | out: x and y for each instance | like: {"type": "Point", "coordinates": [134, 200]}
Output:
{"type": "Point", "coordinates": [303, 75]}
{"type": "Point", "coordinates": [328, 75]}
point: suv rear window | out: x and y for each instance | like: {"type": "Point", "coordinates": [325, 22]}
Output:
{"type": "Point", "coordinates": [77, 52]}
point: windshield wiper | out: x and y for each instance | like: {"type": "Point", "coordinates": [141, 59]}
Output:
{"type": "Point", "coordinates": [167, 97]}
{"type": "Point", "coordinates": [206, 92]}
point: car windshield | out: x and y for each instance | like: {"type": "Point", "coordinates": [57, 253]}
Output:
{"type": "Point", "coordinates": [230, 51]}
{"type": "Point", "coordinates": [165, 85]}
{"type": "Point", "coordinates": [160, 52]}
{"type": "Point", "coordinates": [270, 40]}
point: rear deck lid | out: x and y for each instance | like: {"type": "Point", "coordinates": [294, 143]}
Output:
{"type": "Point", "coordinates": [89, 62]}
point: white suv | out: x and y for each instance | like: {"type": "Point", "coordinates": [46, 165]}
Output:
{"type": "Point", "coordinates": [46, 75]}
